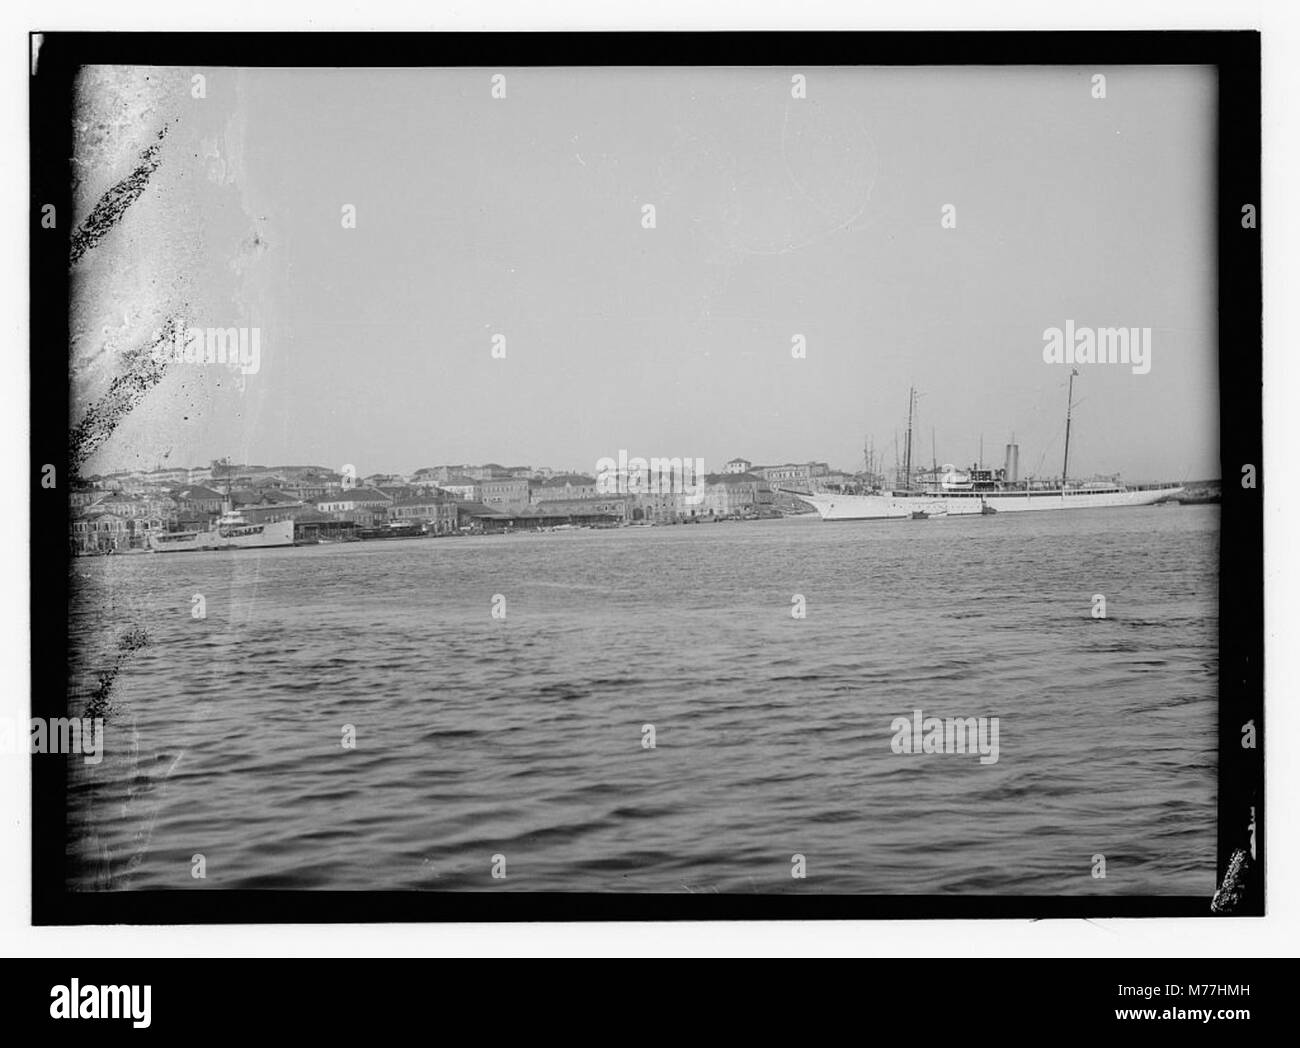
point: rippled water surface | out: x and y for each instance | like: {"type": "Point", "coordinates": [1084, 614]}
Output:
{"type": "Point", "coordinates": [523, 736]}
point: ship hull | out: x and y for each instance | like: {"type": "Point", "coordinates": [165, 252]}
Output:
{"type": "Point", "coordinates": [243, 536]}
{"type": "Point", "coordinates": [904, 507]}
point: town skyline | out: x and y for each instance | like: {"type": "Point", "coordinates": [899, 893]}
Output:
{"type": "Point", "coordinates": [922, 457]}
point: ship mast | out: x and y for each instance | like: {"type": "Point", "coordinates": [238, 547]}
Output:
{"type": "Point", "coordinates": [907, 454]}
{"type": "Point", "coordinates": [1069, 404]}
{"type": "Point", "coordinates": [874, 465]}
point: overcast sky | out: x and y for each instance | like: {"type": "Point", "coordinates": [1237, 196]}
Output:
{"type": "Point", "coordinates": [774, 216]}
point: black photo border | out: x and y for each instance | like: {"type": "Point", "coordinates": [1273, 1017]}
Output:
{"type": "Point", "coordinates": [1235, 54]}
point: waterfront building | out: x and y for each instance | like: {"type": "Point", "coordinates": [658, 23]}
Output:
{"type": "Point", "coordinates": [603, 511]}
{"type": "Point", "coordinates": [664, 507]}
{"type": "Point", "coordinates": [100, 533]}
{"type": "Point", "coordinates": [437, 512]}
{"type": "Point", "coordinates": [364, 506]}
{"type": "Point", "coordinates": [311, 525]}
{"type": "Point", "coordinates": [476, 517]}
{"type": "Point", "coordinates": [120, 522]}
{"type": "Point", "coordinates": [737, 495]}
{"type": "Point", "coordinates": [612, 509]}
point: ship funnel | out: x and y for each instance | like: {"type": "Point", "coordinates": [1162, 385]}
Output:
{"type": "Point", "coordinates": [1011, 465]}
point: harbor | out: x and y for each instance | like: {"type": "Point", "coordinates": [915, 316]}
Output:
{"type": "Point", "coordinates": [178, 510]}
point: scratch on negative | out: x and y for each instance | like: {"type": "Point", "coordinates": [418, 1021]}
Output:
{"type": "Point", "coordinates": [142, 369]}
{"type": "Point", "coordinates": [113, 204]}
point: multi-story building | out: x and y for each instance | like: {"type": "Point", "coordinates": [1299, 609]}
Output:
{"type": "Point", "coordinates": [363, 506]}
{"type": "Point", "coordinates": [137, 507]}
{"type": "Point", "coordinates": [80, 498]}
{"type": "Point", "coordinates": [833, 479]}
{"type": "Point", "coordinates": [307, 489]}
{"type": "Point", "coordinates": [796, 475]}
{"type": "Point", "coordinates": [309, 482]}
{"type": "Point", "coordinates": [120, 521]}
{"type": "Point", "coordinates": [461, 489]}
{"type": "Point", "coordinates": [737, 465]}
{"type": "Point", "coordinates": [110, 481]}
{"type": "Point", "coordinates": [131, 483]}
{"type": "Point", "coordinates": [664, 507]}
{"type": "Point", "coordinates": [265, 504]}
{"type": "Point", "coordinates": [498, 494]}
{"type": "Point", "coordinates": [160, 504]}
{"type": "Point", "coordinates": [564, 486]}
{"type": "Point", "coordinates": [397, 492]}
{"type": "Point", "coordinates": [430, 475]}
{"type": "Point", "coordinates": [737, 495]}
{"type": "Point", "coordinates": [100, 533]}
{"type": "Point", "coordinates": [488, 471]}
{"type": "Point", "coordinates": [438, 474]}
{"type": "Point", "coordinates": [437, 512]}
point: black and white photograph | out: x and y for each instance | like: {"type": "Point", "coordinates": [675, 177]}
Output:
{"type": "Point", "coordinates": [774, 477]}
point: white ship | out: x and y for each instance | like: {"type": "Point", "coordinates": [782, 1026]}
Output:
{"type": "Point", "coordinates": [232, 530]}
{"type": "Point", "coordinates": [948, 491]}
{"type": "Point", "coordinates": [907, 505]}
